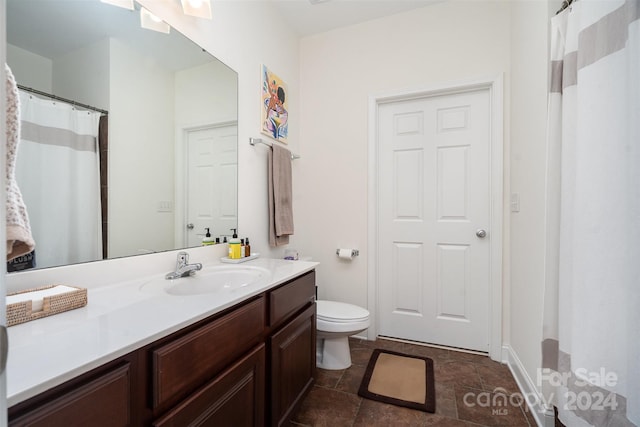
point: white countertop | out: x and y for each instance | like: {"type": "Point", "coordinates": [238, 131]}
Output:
{"type": "Point", "coordinates": [118, 319]}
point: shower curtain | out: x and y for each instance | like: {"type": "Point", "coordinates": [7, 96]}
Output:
{"type": "Point", "coordinates": [59, 175]}
{"type": "Point", "coordinates": [591, 324]}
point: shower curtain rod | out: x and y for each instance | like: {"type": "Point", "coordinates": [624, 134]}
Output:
{"type": "Point", "coordinates": [254, 141]}
{"type": "Point", "coordinates": [59, 98]}
{"type": "Point", "coordinates": [565, 4]}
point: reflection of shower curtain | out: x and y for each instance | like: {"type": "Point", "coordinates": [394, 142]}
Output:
{"type": "Point", "coordinates": [59, 175]}
{"type": "Point", "coordinates": [591, 348]}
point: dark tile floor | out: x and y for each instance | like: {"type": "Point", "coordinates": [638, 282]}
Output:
{"type": "Point", "coordinates": [471, 390]}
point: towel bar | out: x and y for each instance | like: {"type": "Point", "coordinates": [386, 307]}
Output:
{"type": "Point", "coordinates": [254, 141]}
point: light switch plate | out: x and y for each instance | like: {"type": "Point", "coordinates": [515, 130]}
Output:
{"type": "Point", "coordinates": [515, 202]}
{"type": "Point", "coordinates": [165, 206]}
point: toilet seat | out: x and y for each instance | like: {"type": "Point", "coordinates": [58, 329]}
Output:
{"type": "Point", "coordinates": [340, 312]}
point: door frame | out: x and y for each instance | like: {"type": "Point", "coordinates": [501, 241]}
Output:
{"type": "Point", "coordinates": [181, 178]}
{"type": "Point", "coordinates": [496, 183]}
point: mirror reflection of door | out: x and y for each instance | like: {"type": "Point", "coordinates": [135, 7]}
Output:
{"type": "Point", "coordinates": [211, 182]}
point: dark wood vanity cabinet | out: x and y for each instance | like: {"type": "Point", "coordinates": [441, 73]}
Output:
{"type": "Point", "coordinates": [236, 397]}
{"type": "Point", "coordinates": [99, 398]}
{"type": "Point", "coordinates": [293, 364]}
{"type": "Point", "coordinates": [292, 347]}
{"type": "Point", "coordinates": [184, 363]}
{"type": "Point", "coordinates": [250, 365]}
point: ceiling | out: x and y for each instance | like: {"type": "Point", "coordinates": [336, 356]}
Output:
{"type": "Point", "coordinates": [306, 18]}
{"type": "Point", "coordinates": [53, 27]}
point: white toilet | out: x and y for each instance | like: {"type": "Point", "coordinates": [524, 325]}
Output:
{"type": "Point", "coordinates": [335, 322]}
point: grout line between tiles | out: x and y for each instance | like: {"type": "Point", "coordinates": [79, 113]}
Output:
{"type": "Point", "coordinates": [357, 413]}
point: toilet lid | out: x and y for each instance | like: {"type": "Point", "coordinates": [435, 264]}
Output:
{"type": "Point", "coordinates": [334, 311]}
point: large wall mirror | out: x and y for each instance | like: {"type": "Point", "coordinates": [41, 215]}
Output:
{"type": "Point", "coordinates": [165, 166]}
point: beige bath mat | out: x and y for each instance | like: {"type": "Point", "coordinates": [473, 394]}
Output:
{"type": "Point", "coordinates": [400, 379]}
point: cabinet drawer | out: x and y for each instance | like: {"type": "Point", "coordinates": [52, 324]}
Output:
{"type": "Point", "coordinates": [234, 398]}
{"type": "Point", "coordinates": [287, 299]}
{"type": "Point", "coordinates": [187, 362]}
{"type": "Point", "coordinates": [103, 401]}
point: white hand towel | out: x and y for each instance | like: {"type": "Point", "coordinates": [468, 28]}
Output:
{"type": "Point", "coordinates": [19, 238]}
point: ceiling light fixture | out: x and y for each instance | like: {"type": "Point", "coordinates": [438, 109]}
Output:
{"type": "Point", "coordinates": [127, 4]}
{"type": "Point", "coordinates": [198, 8]}
{"type": "Point", "coordinates": [151, 22]}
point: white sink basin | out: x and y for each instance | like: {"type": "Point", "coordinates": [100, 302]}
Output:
{"type": "Point", "coordinates": [215, 279]}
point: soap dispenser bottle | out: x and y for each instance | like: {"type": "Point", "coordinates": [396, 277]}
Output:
{"type": "Point", "coordinates": [234, 246]}
{"type": "Point", "coordinates": [207, 239]}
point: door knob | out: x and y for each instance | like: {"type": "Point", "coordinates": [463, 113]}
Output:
{"type": "Point", "coordinates": [481, 233]}
{"type": "Point", "coordinates": [190, 226]}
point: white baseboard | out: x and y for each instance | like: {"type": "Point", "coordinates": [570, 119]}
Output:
{"type": "Point", "coordinates": [544, 416]}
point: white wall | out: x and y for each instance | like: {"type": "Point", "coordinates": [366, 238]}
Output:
{"type": "Point", "coordinates": [202, 95]}
{"type": "Point", "coordinates": [83, 75]}
{"type": "Point", "coordinates": [447, 42]}
{"type": "Point", "coordinates": [529, 59]}
{"type": "Point", "coordinates": [29, 69]}
{"type": "Point", "coordinates": [145, 170]}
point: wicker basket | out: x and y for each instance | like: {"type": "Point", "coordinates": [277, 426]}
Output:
{"type": "Point", "coordinates": [21, 312]}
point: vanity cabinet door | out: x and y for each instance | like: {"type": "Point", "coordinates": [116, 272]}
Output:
{"type": "Point", "coordinates": [103, 401]}
{"type": "Point", "coordinates": [234, 398]}
{"type": "Point", "coordinates": [293, 364]}
{"type": "Point", "coordinates": [184, 364]}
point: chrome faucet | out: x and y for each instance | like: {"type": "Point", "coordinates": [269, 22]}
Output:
{"type": "Point", "coordinates": [183, 268]}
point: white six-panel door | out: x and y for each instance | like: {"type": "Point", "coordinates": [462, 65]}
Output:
{"type": "Point", "coordinates": [212, 161]}
{"type": "Point", "coordinates": [433, 219]}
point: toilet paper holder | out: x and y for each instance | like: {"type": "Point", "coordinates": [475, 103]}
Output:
{"type": "Point", "coordinates": [354, 252]}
